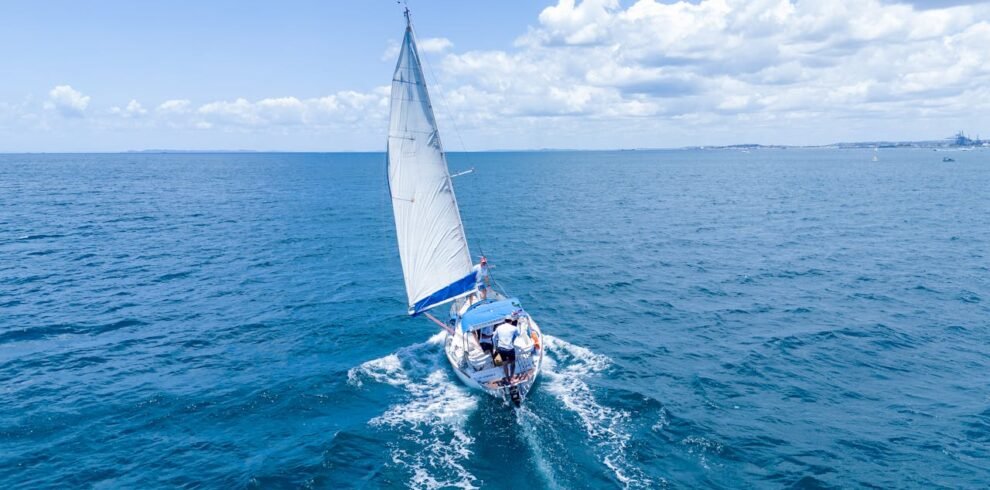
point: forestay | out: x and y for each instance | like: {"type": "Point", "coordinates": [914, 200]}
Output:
{"type": "Point", "coordinates": [436, 262]}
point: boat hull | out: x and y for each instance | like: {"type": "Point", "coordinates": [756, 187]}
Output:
{"type": "Point", "coordinates": [516, 391]}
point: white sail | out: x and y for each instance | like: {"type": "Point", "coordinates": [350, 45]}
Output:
{"type": "Point", "coordinates": [436, 262]}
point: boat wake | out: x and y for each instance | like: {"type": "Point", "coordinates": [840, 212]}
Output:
{"type": "Point", "coordinates": [431, 416]}
{"type": "Point", "coordinates": [566, 369]}
{"type": "Point", "coordinates": [533, 429]}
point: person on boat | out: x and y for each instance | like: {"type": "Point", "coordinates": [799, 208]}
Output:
{"type": "Point", "coordinates": [505, 336]}
{"type": "Point", "coordinates": [484, 281]}
{"type": "Point", "coordinates": [485, 339]}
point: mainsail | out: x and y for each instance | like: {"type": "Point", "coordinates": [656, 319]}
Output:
{"type": "Point", "coordinates": [436, 262]}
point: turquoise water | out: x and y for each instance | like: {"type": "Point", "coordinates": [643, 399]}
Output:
{"type": "Point", "coordinates": [770, 319]}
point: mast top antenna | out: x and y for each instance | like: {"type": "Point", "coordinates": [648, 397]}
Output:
{"type": "Point", "coordinates": [405, 9]}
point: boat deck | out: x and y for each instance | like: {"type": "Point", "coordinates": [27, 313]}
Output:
{"type": "Point", "coordinates": [467, 356]}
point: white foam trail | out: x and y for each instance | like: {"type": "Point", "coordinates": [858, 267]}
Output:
{"type": "Point", "coordinates": [565, 372]}
{"type": "Point", "coordinates": [386, 369]}
{"type": "Point", "coordinates": [530, 423]}
{"type": "Point", "coordinates": [389, 369]}
{"type": "Point", "coordinates": [431, 416]}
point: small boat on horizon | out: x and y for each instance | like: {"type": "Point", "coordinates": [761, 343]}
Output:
{"type": "Point", "coordinates": [492, 343]}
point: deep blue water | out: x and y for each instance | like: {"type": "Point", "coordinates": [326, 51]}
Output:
{"type": "Point", "coordinates": [770, 319]}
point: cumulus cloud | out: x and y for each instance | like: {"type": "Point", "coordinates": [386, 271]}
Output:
{"type": "Point", "coordinates": [758, 61]}
{"type": "Point", "coordinates": [392, 51]}
{"type": "Point", "coordinates": [345, 107]}
{"type": "Point", "coordinates": [345, 110]}
{"type": "Point", "coordinates": [237, 112]}
{"type": "Point", "coordinates": [435, 45]}
{"type": "Point", "coordinates": [174, 106]}
{"type": "Point", "coordinates": [661, 74]}
{"type": "Point", "coordinates": [133, 109]}
{"type": "Point", "coordinates": [67, 101]}
{"type": "Point", "coordinates": [578, 23]}
{"type": "Point", "coordinates": [432, 45]}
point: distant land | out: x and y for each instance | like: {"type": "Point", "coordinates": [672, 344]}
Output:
{"type": "Point", "coordinates": [959, 141]}
{"type": "Point", "coordinates": [155, 150]}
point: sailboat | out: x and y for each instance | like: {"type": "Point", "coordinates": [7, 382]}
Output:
{"type": "Point", "coordinates": [436, 263]}
{"type": "Point", "coordinates": [876, 153]}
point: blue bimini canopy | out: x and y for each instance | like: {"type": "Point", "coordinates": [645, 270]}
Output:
{"type": "Point", "coordinates": [488, 314]}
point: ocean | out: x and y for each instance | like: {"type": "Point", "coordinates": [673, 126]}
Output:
{"type": "Point", "coordinates": [719, 319]}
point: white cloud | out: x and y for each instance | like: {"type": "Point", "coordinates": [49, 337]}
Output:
{"type": "Point", "coordinates": [238, 112]}
{"type": "Point", "coordinates": [174, 106]}
{"type": "Point", "coordinates": [342, 108]}
{"type": "Point", "coordinates": [67, 101]}
{"type": "Point", "coordinates": [604, 73]}
{"type": "Point", "coordinates": [585, 22]}
{"type": "Point", "coordinates": [435, 45]}
{"type": "Point", "coordinates": [432, 45]}
{"type": "Point", "coordinates": [391, 51]}
{"type": "Point", "coordinates": [725, 62]}
{"type": "Point", "coordinates": [133, 109]}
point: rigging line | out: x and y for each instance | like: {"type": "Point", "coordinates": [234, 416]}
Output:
{"type": "Point", "coordinates": [446, 108]}
{"type": "Point", "coordinates": [443, 100]}
{"type": "Point", "coordinates": [491, 276]}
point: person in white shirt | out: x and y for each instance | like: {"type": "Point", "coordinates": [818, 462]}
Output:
{"type": "Point", "coordinates": [505, 335]}
{"type": "Point", "coordinates": [482, 277]}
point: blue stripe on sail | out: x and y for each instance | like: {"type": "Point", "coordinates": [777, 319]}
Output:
{"type": "Point", "coordinates": [455, 289]}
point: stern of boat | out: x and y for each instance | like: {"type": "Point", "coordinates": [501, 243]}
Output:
{"type": "Point", "coordinates": [477, 370]}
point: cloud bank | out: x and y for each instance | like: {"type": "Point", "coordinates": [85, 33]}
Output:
{"type": "Point", "coordinates": [734, 61]}
{"type": "Point", "coordinates": [595, 73]}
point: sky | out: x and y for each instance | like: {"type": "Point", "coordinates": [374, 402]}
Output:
{"type": "Point", "coordinates": [511, 74]}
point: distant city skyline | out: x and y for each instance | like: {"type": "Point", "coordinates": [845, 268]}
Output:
{"type": "Point", "coordinates": [593, 74]}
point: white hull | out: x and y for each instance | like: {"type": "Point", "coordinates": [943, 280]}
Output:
{"type": "Point", "coordinates": [459, 347]}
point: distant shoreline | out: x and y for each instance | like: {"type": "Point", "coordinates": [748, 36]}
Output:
{"type": "Point", "coordinates": [933, 145]}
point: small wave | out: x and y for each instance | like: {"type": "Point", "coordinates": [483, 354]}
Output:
{"type": "Point", "coordinates": [174, 275]}
{"type": "Point", "coordinates": [39, 236]}
{"type": "Point", "coordinates": [431, 416]}
{"type": "Point", "coordinates": [47, 331]}
{"type": "Point", "coordinates": [702, 447]}
{"type": "Point", "coordinates": [565, 369]}
{"type": "Point", "coordinates": [663, 421]}
{"type": "Point", "coordinates": [968, 297]}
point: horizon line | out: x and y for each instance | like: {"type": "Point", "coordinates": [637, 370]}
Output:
{"type": "Point", "coordinates": [840, 145]}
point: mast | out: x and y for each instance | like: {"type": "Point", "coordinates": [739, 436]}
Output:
{"type": "Point", "coordinates": [436, 262]}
